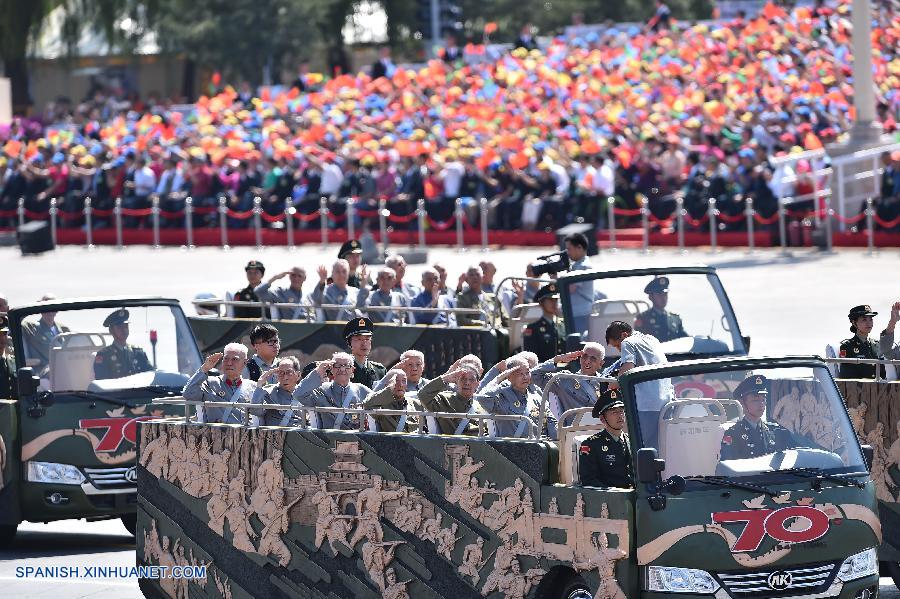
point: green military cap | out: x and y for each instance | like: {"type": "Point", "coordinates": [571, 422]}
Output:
{"type": "Point", "coordinates": [358, 326]}
{"type": "Point", "coordinates": [351, 246]}
{"type": "Point", "coordinates": [609, 399]}
{"type": "Point", "coordinates": [257, 265]}
{"type": "Point", "coordinates": [120, 316]}
{"type": "Point", "coordinates": [657, 285]}
{"type": "Point", "coordinates": [549, 291]}
{"type": "Point", "coordinates": [4, 323]}
{"type": "Point", "coordinates": [864, 310]}
{"type": "Point", "coordinates": [755, 383]}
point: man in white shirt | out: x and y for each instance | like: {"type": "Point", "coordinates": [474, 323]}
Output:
{"type": "Point", "coordinates": [582, 294]}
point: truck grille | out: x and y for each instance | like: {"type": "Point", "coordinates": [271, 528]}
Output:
{"type": "Point", "coordinates": [803, 579]}
{"type": "Point", "coordinates": [109, 478]}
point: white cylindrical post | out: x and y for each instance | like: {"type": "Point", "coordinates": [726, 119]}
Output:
{"type": "Point", "coordinates": [223, 222]}
{"type": "Point", "coordinates": [117, 213]}
{"type": "Point", "coordinates": [483, 207]}
{"type": "Point", "coordinates": [189, 222]}
{"type": "Point", "coordinates": [383, 213]}
{"type": "Point", "coordinates": [351, 218]}
{"type": "Point", "coordinates": [870, 224]}
{"type": "Point", "coordinates": [89, 223]}
{"type": "Point", "coordinates": [420, 212]}
{"type": "Point", "coordinates": [679, 220]}
{"type": "Point", "coordinates": [257, 221]}
{"type": "Point", "coordinates": [611, 220]}
{"type": "Point", "coordinates": [20, 211]}
{"type": "Point", "coordinates": [750, 212]}
{"type": "Point", "coordinates": [289, 225]}
{"type": "Point", "coordinates": [782, 226]}
{"type": "Point", "coordinates": [829, 214]}
{"type": "Point", "coordinates": [154, 217]}
{"type": "Point", "coordinates": [713, 212]}
{"type": "Point", "coordinates": [645, 224]}
{"type": "Point", "coordinates": [865, 126]}
{"type": "Point", "coordinates": [54, 212]}
{"type": "Point", "coordinates": [323, 220]}
{"type": "Point", "coordinates": [460, 246]}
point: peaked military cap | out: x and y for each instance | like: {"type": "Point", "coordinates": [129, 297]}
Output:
{"type": "Point", "coordinates": [120, 316]}
{"type": "Point", "coordinates": [657, 285]}
{"type": "Point", "coordinates": [256, 264]}
{"type": "Point", "coordinates": [4, 323]}
{"type": "Point", "coordinates": [755, 383]}
{"type": "Point", "coordinates": [351, 246]}
{"type": "Point", "coordinates": [358, 326]}
{"type": "Point", "coordinates": [549, 291]}
{"type": "Point", "coordinates": [864, 310]}
{"type": "Point", "coordinates": [609, 399]}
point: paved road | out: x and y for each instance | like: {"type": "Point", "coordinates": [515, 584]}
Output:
{"type": "Point", "coordinates": [792, 304]}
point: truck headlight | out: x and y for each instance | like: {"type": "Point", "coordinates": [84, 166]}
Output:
{"type": "Point", "coordinates": [859, 565]}
{"type": "Point", "coordinates": [49, 472]}
{"type": "Point", "coordinates": [680, 580]}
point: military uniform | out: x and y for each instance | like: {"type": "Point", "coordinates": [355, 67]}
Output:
{"type": "Point", "coordinates": [502, 399]}
{"type": "Point", "coordinates": [544, 336]}
{"type": "Point", "coordinates": [247, 294]}
{"type": "Point", "coordinates": [385, 399]}
{"type": "Point", "coordinates": [8, 388]}
{"type": "Point", "coordinates": [115, 361]}
{"type": "Point", "coordinates": [604, 460]}
{"type": "Point", "coordinates": [313, 392]}
{"type": "Point", "coordinates": [435, 396]}
{"type": "Point", "coordinates": [744, 439]}
{"type": "Point", "coordinates": [660, 323]}
{"type": "Point", "coordinates": [859, 348]}
{"type": "Point", "coordinates": [392, 299]}
{"type": "Point", "coordinates": [202, 387]}
{"type": "Point", "coordinates": [352, 246]}
{"type": "Point", "coordinates": [478, 301]}
{"type": "Point", "coordinates": [274, 394]}
{"type": "Point", "coordinates": [371, 372]}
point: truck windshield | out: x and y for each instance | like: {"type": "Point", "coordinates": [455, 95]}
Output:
{"type": "Point", "coordinates": [687, 312]}
{"type": "Point", "coordinates": [110, 348]}
{"type": "Point", "coordinates": [743, 423]}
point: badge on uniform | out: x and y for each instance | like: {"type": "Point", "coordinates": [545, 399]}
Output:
{"type": "Point", "coordinates": [604, 448]}
{"type": "Point", "coordinates": [518, 404]}
{"type": "Point", "coordinates": [221, 393]}
{"type": "Point", "coordinates": [578, 384]}
{"type": "Point", "coordinates": [585, 450]}
{"type": "Point", "coordinates": [726, 440]}
{"type": "Point", "coordinates": [744, 437]}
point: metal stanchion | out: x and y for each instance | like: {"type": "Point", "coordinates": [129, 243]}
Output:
{"type": "Point", "coordinates": [782, 227]}
{"type": "Point", "coordinates": [89, 223]}
{"type": "Point", "coordinates": [645, 224]}
{"type": "Point", "coordinates": [751, 241]}
{"type": "Point", "coordinates": [257, 221]}
{"type": "Point", "coordinates": [20, 211]}
{"type": "Point", "coordinates": [420, 212]}
{"type": "Point", "coordinates": [679, 221]}
{"type": "Point", "coordinates": [154, 217]}
{"type": "Point", "coordinates": [189, 222]}
{"type": "Point", "coordinates": [117, 212]}
{"type": "Point", "coordinates": [870, 224]}
{"type": "Point", "coordinates": [829, 213]}
{"type": "Point", "coordinates": [54, 213]}
{"type": "Point", "coordinates": [289, 212]}
{"type": "Point", "coordinates": [351, 225]}
{"type": "Point", "coordinates": [713, 212]}
{"type": "Point", "coordinates": [611, 219]}
{"type": "Point", "coordinates": [383, 213]}
{"type": "Point", "coordinates": [223, 222]}
{"type": "Point", "coordinates": [483, 206]}
{"type": "Point", "coordinates": [323, 220]}
{"type": "Point", "coordinates": [460, 247]}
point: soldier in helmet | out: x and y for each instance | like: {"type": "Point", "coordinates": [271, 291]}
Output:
{"type": "Point", "coordinates": [604, 459]}
{"type": "Point", "coordinates": [752, 436]}
{"type": "Point", "coordinates": [119, 359]}
{"type": "Point", "coordinates": [358, 333]}
{"type": "Point", "coordinates": [543, 336]}
{"type": "Point", "coordinates": [657, 321]}
{"type": "Point", "coordinates": [860, 346]}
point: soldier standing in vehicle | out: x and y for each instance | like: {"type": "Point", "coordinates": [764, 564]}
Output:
{"type": "Point", "coordinates": [860, 346]}
{"type": "Point", "coordinates": [658, 321]}
{"type": "Point", "coordinates": [7, 363]}
{"type": "Point", "coordinates": [255, 271]}
{"type": "Point", "coordinates": [351, 251]}
{"type": "Point", "coordinates": [358, 333]}
{"type": "Point", "coordinates": [544, 336]}
{"type": "Point", "coordinates": [752, 436]}
{"type": "Point", "coordinates": [604, 459]}
{"type": "Point", "coordinates": [119, 359]}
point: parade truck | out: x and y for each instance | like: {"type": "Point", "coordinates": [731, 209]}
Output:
{"type": "Point", "coordinates": [87, 370]}
{"type": "Point", "coordinates": [302, 512]}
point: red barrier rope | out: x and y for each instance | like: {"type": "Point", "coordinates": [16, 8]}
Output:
{"type": "Point", "coordinates": [172, 215]}
{"type": "Point", "coordinates": [136, 211]}
{"type": "Point", "coordinates": [394, 218]}
{"type": "Point", "coordinates": [102, 213]}
{"type": "Point", "coordinates": [696, 222]}
{"type": "Point", "coordinates": [306, 217]}
{"type": "Point", "coordinates": [441, 225]}
{"type": "Point", "coordinates": [765, 221]}
{"type": "Point", "coordinates": [850, 221]}
{"type": "Point", "coordinates": [798, 214]}
{"type": "Point", "coordinates": [727, 218]}
{"type": "Point", "coordinates": [272, 219]}
{"type": "Point", "coordinates": [206, 210]}
{"type": "Point", "coordinates": [887, 224]}
{"type": "Point", "coordinates": [63, 215]}
{"type": "Point", "coordinates": [240, 215]}
{"type": "Point", "coordinates": [367, 213]}
{"type": "Point", "coordinates": [7, 213]}
{"type": "Point", "coordinates": [627, 212]}
{"type": "Point", "coordinates": [337, 218]}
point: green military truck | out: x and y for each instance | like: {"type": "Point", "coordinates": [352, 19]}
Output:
{"type": "Point", "coordinates": [297, 512]}
{"type": "Point", "coordinates": [86, 373]}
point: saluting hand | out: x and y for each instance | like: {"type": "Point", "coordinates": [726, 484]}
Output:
{"type": "Point", "coordinates": [568, 357]}
{"type": "Point", "coordinates": [211, 361]}
{"type": "Point", "coordinates": [323, 367]}
{"type": "Point", "coordinates": [267, 374]}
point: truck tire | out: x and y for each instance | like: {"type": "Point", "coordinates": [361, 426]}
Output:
{"type": "Point", "coordinates": [130, 522]}
{"type": "Point", "coordinates": [7, 535]}
{"type": "Point", "coordinates": [575, 588]}
{"type": "Point", "coordinates": [893, 569]}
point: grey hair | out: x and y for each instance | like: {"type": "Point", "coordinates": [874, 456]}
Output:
{"type": "Point", "coordinates": [236, 347]}
{"type": "Point", "coordinates": [474, 361]}
{"type": "Point", "coordinates": [430, 271]}
{"type": "Point", "coordinates": [516, 361]}
{"type": "Point", "coordinates": [474, 268]}
{"type": "Point", "coordinates": [342, 263]}
{"type": "Point", "coordinates": [529, 356]}
{"type": "Point", "coordinates": [292, 360]}
{"type": "Point", "coordinates": [413, 353]}
{"type": "Point", "coordinates": [343, 356]}
{"type": "Point", "coordinates": [387, 270]}
{"type": "Point", "coordinates": [393, 260]}
{"type": "Point", "coordinates": [596, 346]}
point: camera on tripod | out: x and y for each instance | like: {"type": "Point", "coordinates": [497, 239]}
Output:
{"type": "Point", "coordinates": [550, 264]}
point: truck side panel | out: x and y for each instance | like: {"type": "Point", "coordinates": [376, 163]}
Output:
{"type": "Point", "coordinates": [10, 466]}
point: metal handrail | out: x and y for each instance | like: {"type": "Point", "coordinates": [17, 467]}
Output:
{"type": "Point", "coordinates": [558, 377]}
{"type": "Point", "coordinates": [302, 410]}
{"type": "Point", "coordinates": [873, 361]}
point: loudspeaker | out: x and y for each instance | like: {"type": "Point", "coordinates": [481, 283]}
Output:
{"type": "Point", "coordinates": [34, 237]}
{"type": "Point", "coordinates": [589, 231]}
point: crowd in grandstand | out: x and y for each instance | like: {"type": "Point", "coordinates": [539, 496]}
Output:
{"type": "Point", "coordinates": [546, 134]}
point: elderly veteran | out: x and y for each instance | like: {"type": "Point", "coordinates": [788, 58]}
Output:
{"type": "Point", "coordinates": [228, 387]}
{"type": "Point", "coordinates": [439, 396]}
{"type": "Point", "coordinates": [386, 296]}
{"type": "Point", "coordinates": [287, 372]}
{"type": "Point", "coordinates": [569, 393]}
{"type": "Point", "coordinates": [292, 294]}
{"type": "Point", "coordinates": [412, 363]}
{"type": "Point", "coordinates": [340, 392]}
{"type": "Point", "coordinates": [510, 394]}
{"type": "Point", "coordinates": [339, 292]}
{"type": "Point", "coordinates": [393, 396]}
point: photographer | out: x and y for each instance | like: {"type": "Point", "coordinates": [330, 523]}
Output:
{"type": "Point", "coordinates": [582, 294]}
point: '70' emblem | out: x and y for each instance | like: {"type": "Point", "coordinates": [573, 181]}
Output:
{"type": "Point", "coordinates": [117, 429]}
{"type": "Point", "coordinates": [793, 524]}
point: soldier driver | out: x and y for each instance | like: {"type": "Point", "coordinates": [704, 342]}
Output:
{"type": "Point", "coordinates": [752, 436]}
{"type": "Point", "coordinates": [119, 359]}
{"type": "Point", "coordinates": [657, 321]}
{"type": "Point", "coordinates": [604, 459]}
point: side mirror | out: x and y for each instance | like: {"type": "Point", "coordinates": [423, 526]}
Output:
{"type": "Point", "coordinates": [26, 383]}
{"type": "Point", "coordinates": [649, 466]}
{"type": "Point", "coordinates": [573, 342]}
{"type": "Point", "coordinates": [746, 340]}
{"type": "Point", "coordinates": [868, 455]}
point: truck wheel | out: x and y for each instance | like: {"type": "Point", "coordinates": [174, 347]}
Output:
{"type": "Point", "coordinates": [893, 569]}
{"type": "Point", "coordinates": [575, 588]}
{"type": "Point", "coordinates": [130, 522]}
{"type": "Point", "coordinates": [7, 535]}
